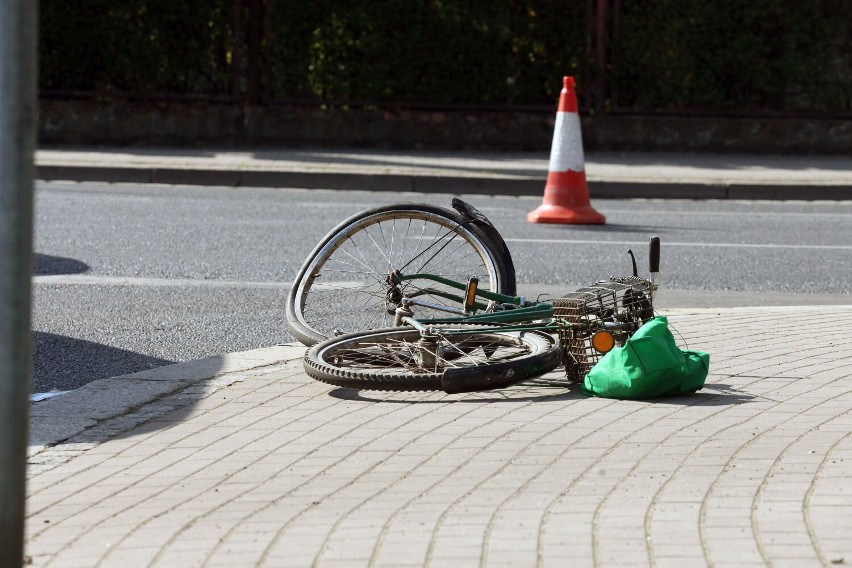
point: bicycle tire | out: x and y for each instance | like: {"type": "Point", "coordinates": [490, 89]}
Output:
{"type": "Point", "coordinates": [386, 359]}
{"type": "Point", "coordinates": [341, 287]}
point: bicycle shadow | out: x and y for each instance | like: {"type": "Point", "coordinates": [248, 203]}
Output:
{"type": "Point", "coordinates": [539, 389]}
{"type": "Point", "coordinates": [479, 397]}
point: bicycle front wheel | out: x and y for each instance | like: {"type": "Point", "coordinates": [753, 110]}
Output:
{"type": "Point", "coordinates": [403, 358]}
{"type": "Point", "coordinates": [344, 285]}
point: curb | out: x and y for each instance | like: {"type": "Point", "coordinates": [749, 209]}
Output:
{"type": "Point", "coordinates": [437, 184]}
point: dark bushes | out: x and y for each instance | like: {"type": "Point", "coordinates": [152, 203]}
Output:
{"type": "Point", "coordinates": [717, 55]}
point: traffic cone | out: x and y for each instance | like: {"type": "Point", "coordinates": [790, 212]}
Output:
{"type": "Point", "coordinates": [566, 194]}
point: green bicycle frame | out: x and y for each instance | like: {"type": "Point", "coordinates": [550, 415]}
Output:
{"type": "Point", "coordinates": [491, 296]}
{"type": "Point", "coordinates": [522, 316]}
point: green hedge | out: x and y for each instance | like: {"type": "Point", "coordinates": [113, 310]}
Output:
{"type": "Point", "coordinates": [730, 54]}
{"type": "Point", "coordinates": [143, 46]}
{"type": "Point", "coordinates": [483, 52]}
{"type": "Point", "coordinates": [773, 55]}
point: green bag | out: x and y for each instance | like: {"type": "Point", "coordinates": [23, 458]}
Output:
{"type": "Point", "coordinates": [649, 365]}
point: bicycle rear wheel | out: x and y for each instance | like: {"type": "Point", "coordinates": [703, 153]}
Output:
{"type": "Point", "coordinates": [343, 287]}
{"type": "Point", "coordinates": [402, 358]}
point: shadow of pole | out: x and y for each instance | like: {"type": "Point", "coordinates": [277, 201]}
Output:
{"type": "Point", "coordinates": [45, 264]}
{"type": "Point", "coordinates": [66, 363]}
{"type": "Point", "coordinates": [107, 408]}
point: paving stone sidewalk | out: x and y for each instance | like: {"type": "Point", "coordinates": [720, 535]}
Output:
{"type": "Point", "coordinates": [258, 465]}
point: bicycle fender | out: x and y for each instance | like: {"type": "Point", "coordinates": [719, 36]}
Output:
{"type": "Point", "coordinates": [475, 216]}
{"type": "Point", "coordinates": [469, 379]}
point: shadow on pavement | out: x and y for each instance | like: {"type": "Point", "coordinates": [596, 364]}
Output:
{"type": "Point", "coordinates": [45, 264]}
{"type": "Point", "coordinates": [122, 402]}
{"type": "Point", "coordinates": [480, 397]}
{"type": "Point", "coordinates": [67, 363]}
{"type": "Point", "coordinates": [561, 391]}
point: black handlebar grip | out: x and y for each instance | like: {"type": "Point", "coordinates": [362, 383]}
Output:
{"type": "Point", "coordinates": [654, 254]}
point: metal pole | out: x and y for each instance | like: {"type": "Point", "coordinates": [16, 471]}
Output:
{"type": "Point", "coordinates": [17, 146]}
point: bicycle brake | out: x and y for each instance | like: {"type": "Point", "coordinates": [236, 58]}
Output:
{"type": "Point", "coordinates": [393, 298]}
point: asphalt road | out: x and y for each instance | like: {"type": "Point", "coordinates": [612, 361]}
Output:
{"type": "Point", "coordinates": [132, 277]}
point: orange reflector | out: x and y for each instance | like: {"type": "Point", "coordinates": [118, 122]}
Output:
{"type": "Point", "coordinates": [603, 341]}
{"type": "Point", "coordinates": [470, 294]}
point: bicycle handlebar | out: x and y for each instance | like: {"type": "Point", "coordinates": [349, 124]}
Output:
{"type": "Point", "coordinates": [654, 255]}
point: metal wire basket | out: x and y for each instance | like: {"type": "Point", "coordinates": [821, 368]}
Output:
{"type": "Point", "coordinates": [616, 307]}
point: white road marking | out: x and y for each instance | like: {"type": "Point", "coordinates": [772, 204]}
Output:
{"type": "Point", "coordinates": [741, 213]}
{"type": "Point", "coordinates": [94, 280]}
{"type": "Point", "coordinates": [39, 396]}
{"type": "Point", "coordinates": [676, 244]}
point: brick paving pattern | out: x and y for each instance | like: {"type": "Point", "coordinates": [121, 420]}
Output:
{"type": "Point", "coordinates": [275, 469]}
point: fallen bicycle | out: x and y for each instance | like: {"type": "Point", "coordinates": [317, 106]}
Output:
{"type": "Point", "coordinates": [417, 297]}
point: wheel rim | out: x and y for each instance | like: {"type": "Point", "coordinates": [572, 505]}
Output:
{"type": "Point", "coordinates": [345, 289]}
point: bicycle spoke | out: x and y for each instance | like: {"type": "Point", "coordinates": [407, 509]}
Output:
{"type": "Point", "coordinates": [399, 354]}
{"type": "Point", "coordinates": [435, 243]}
{"type": "Point", "coordinates": [367, 268]}
{"type": "Point", "coordinates": [395, 357]}
{"type": "Point", "coordinates": [378, 248]}
{"type": "Point", "coordinates": [351, 317]}
{"type": "Point", "coordinates": [450, 261]}
{"type": "Point", "coordinates": [405, 240]}
{"type": "Point", "coordinates": [380, 278]}
{"type": "Point", "coordinates": [326, 295]}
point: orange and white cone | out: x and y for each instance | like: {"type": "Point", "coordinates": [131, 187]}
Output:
{"type": "Point", "coordinates": [566, 194]}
